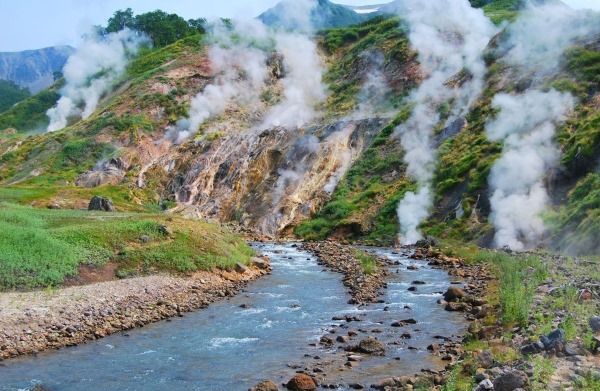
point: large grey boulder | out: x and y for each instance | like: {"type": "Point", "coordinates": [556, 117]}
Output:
{"type": "Point", "coordinates": [101, 204]}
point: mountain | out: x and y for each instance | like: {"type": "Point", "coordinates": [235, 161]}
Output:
{"type": "Point", "coordinates": [341, 171]}
{"type": "Point", "coordinates": [34, 68]}
{"type": "Point", "coordinates": [324, 15]}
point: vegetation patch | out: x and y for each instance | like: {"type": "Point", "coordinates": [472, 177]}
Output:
{"type": "Point", "coordinates": [41, 247]}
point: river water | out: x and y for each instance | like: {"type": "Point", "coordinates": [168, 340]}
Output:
{"type": "Point", "coordinates": [263, 333]}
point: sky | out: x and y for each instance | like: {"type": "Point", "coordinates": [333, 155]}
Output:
{"type": "Point", "coordinates": [34, 24]}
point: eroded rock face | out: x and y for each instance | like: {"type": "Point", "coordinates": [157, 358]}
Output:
{"type": "Point", "coordinates": [269, 179]}
{"type": "Point", "coordinates": [105, 172]}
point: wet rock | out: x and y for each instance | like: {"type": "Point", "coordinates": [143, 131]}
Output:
{"type": "Point", "coordinates": [510, 381]}
{"type": "Point", "coordinates": [454, 293]}
{"type": "Point", "coordinates": [371, 346]}
{"type": "Point", "coordinates": [103, 204]}
{"type": "Point", "coordinates": [266, 385]}
{"type": "Point", "coordinates": [382, 384]}
{"type": "Point", "coordinates": [455, 307]}
{"type": "Point", "coordinates": [427, 242]}
{"type": "Point", "coordinates": [356, 386]}
{"type": "Point", "coordinates": [260, 263]}
{"type": "Point", "coordinates": [595, 324]}
{"type": "Point", "coordinates": [301, 382]}
{"type": "Point", "coordinates": [402, 323]}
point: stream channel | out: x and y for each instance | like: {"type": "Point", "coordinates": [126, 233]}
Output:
{"type": "Point", "coordinates": [228, 347]}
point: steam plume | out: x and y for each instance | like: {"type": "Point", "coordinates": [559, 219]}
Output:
{"type": "Point", "coordinates": [525, 123]}
{"type": "Point", "coordinates": [241, 71]}
{"type": "Point", "coordinates": [525, 126]}
{"type": "Point", "coordinates": [450, 37]}
{"type": "Point", "coordinates": [91, 73]}
{"type": "Point", "coordinates": [303, 86]}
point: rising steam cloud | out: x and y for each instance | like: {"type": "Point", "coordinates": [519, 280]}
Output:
{"type": "Point", "coordinates": [450, 36]}
{"type": "Point", "coordinates": [91, 73]}
{"type": "Point", "coordinates": [240, 69]}
{"type": "Point", "coordinates": [239, 62]}
{"type": "Point", "coordinates": [525, 123]}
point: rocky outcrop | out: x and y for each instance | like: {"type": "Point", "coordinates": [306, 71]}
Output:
{"type": "Point", "coordinates": [267, 179]}
{"type": "Point", "coordinates": [103, 204]}
{"type": "Point", "coordinates": [105, 172]}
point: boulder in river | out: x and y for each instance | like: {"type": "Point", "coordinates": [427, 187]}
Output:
{"type": "Point", "coordinates": [101, 204]}
{"type": "Point", "coordinates": [301, 382]}
{"type": "Point", "coordinates": [371, 346]}
{"type": "Point", "coordinates": [266, 385]}
{"type": "Point", "coordinates": [454, 293]}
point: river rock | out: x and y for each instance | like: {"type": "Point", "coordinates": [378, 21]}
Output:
{"type": "Point", "coordinates": [301, 382]}
{"type": "Point", "coordinates": [555, 340]}
{"type": "Point", "coordinates": [382, 384]}
{"type": "Point", "coordinates": [485, 385]}
{"type": "Point", "coordinates": [454, 293]}
{"type": "Point", "coordinates": [260, 263]}
{"type": "Point", "coordinates": [240, 268]}
{"type": "Point", "coordinates": [40, 387]}
{"type": "Point", "coordinates": [266, 385]}
{"type": "Point", "coordinates": [485, 359]}
{"type": "Point", "coordinates": [595, 324]}
{"type": "Point", "coordinates": [102, 204]}
{"type": "Point", "coordinates": [510, 381]}
{"type": "Point", "coordinates": [371, 346]}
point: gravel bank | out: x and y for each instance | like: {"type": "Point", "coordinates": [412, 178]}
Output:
{"type": "Point", "coordinates": [31, 322]}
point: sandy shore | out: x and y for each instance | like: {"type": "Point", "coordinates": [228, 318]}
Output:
{"type": "Point", "coordinates": [34, 321]}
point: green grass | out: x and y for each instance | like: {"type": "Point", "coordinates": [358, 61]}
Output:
{"type": "Point", "coordinates": [40, 247]}
{"type": "Point", "coordinates": [518, 277]}
{"type": "Point", "coordinates": [367, 262]}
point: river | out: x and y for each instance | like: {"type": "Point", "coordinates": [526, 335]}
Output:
{"type": "Point", "coordinates": [265, 332]}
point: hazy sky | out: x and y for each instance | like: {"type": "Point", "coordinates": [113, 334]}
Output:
{"type": "Point", "coordinates": [34, 24]}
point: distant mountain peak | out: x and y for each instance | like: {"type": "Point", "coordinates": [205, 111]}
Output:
{"type": "Point", "coordinates": [34, 69]}
{"type": "Point", "coordinates": [324, 15]}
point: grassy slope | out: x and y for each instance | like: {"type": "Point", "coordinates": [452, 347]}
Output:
{"type": "Point", "coordinates": [363, 207]}
{"type": "Point", "coordinates": [41, 247]}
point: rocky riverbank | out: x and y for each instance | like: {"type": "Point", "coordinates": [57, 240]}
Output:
{"type": "Point", "coordinates": [31, 322]}
{"type": "Point", "coordinates": [364, 288]}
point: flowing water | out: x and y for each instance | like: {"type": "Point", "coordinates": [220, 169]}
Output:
{"type": "Point", "coordinates": [262, 333]}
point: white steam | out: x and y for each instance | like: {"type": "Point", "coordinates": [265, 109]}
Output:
{"type": "Point", "coordinates": [91, 72]}
{"type": "Point", "coordinates": [240, 70]}
{"type": "Point", "coordinates": [239, 64]}
{"type": "Point", "coordinates": [303, 86]}
{"type": "Point", "coordinates": [525, 125]}
{"type": "Point", "coordinates": [450, 37]}
{"type": "Point", "coordinates": [538, 39]}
